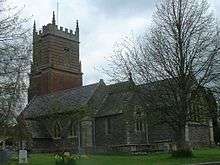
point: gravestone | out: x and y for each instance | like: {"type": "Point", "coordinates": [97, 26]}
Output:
{"type": "Point", "coordinates": [23, 156]}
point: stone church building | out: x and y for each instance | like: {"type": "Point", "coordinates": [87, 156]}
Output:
{"type": "Point", "coordinates": [64, 115]}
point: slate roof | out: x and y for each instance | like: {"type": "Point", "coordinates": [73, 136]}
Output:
{"type": "Point", "coordinates": [75, 97]}
{"type": "Point", "coordinates": [115, 98]}
{"type": "Point", "coordinates": [114, 103]}
{"type": "Point", "coordinates": [103, 99]}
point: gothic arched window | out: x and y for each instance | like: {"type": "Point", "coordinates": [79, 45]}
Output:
{"type": "Point", "coordinates": [73, 129]}
{"type": "Point", "coordinates": [139, 119]}
{"type": "Point", "coordinates": [57, 130]}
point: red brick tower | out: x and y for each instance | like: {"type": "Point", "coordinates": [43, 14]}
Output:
{"type": "Point", "coordinates": [56, 64]}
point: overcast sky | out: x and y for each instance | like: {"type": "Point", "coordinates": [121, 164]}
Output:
{"type": "Point", "coordinates": [102, 23]}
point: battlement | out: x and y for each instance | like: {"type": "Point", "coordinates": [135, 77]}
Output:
{"type": "Point", "coordinates": [53, 29]}
{"type": "Point", "coordinates": [61, 32]}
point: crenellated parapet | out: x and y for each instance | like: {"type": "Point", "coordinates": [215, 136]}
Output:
{"type": "Point", "coordinates": [58, 31]}
{"type": "Point", "coordinates": [53, 29]}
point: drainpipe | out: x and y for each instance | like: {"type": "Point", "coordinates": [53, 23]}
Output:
{"type": "Point", "coordinates": [79, 138]}
{"type": "Point", "coordinates": [94, 134]}
{"type": "Point", "coordinates": [147, 134]}
{"type": "Point", "coordinates": [128, 133]}
{"type": "Point", "coordinates": [3, 144]}
{"type": "Point", "coordinates": [211, 133]}
{"type": "Point", "coordinates": [187, 133]}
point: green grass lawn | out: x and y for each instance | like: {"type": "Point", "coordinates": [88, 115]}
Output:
{"type": "Point", "coordinates": [203, 155]}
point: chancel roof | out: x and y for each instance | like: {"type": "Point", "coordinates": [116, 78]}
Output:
{"type": "Point", "coordinates": [116, 98]}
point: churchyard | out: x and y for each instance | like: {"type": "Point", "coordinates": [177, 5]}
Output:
{"type": "Point", "coordinates": [200, 156]}
{"type": "Point", "coordinates": [160, 100]}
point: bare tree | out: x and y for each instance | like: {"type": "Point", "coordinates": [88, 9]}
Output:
{"type": "Point", "coordinates": [14, 62]}
{"type": "Point", "coordinates": [176, 57]}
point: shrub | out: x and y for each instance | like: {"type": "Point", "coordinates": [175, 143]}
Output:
{"type": "Point", "coordinates": [66, 160]}
{"type": "Point", "coordinates": [182, 153]}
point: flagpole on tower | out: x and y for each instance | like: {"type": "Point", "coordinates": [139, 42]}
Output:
{"type": "Point", "coordinates": [57, 12]}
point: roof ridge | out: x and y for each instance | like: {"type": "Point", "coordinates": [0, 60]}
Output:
{"type": "Point", "coordinates": [28, 104]}
{"type": "Point", "coordinates": [118, 83]}
{"type": "Point", "coordinates": [98, 84]}
{"type": "Point", "coordinates": [65, 90]}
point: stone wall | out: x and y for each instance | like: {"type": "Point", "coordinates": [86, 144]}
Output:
{"type": "Point", "coordinates": [199, 135]}
{"type": "Point", "coordinates": [123, 135]}
{"type": "Point", "coordinates": [116, 136]}
{"type": "Point", "coordinates": [59, 80]}
{"type": "Point", "coordinates": [54, 145]}
{"type": "Point", "coordinates": [45, 139]}
{"type": "Point", "coordinates": [159, 133]}
{"type": "Point", "coordinates": [136, 136]}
